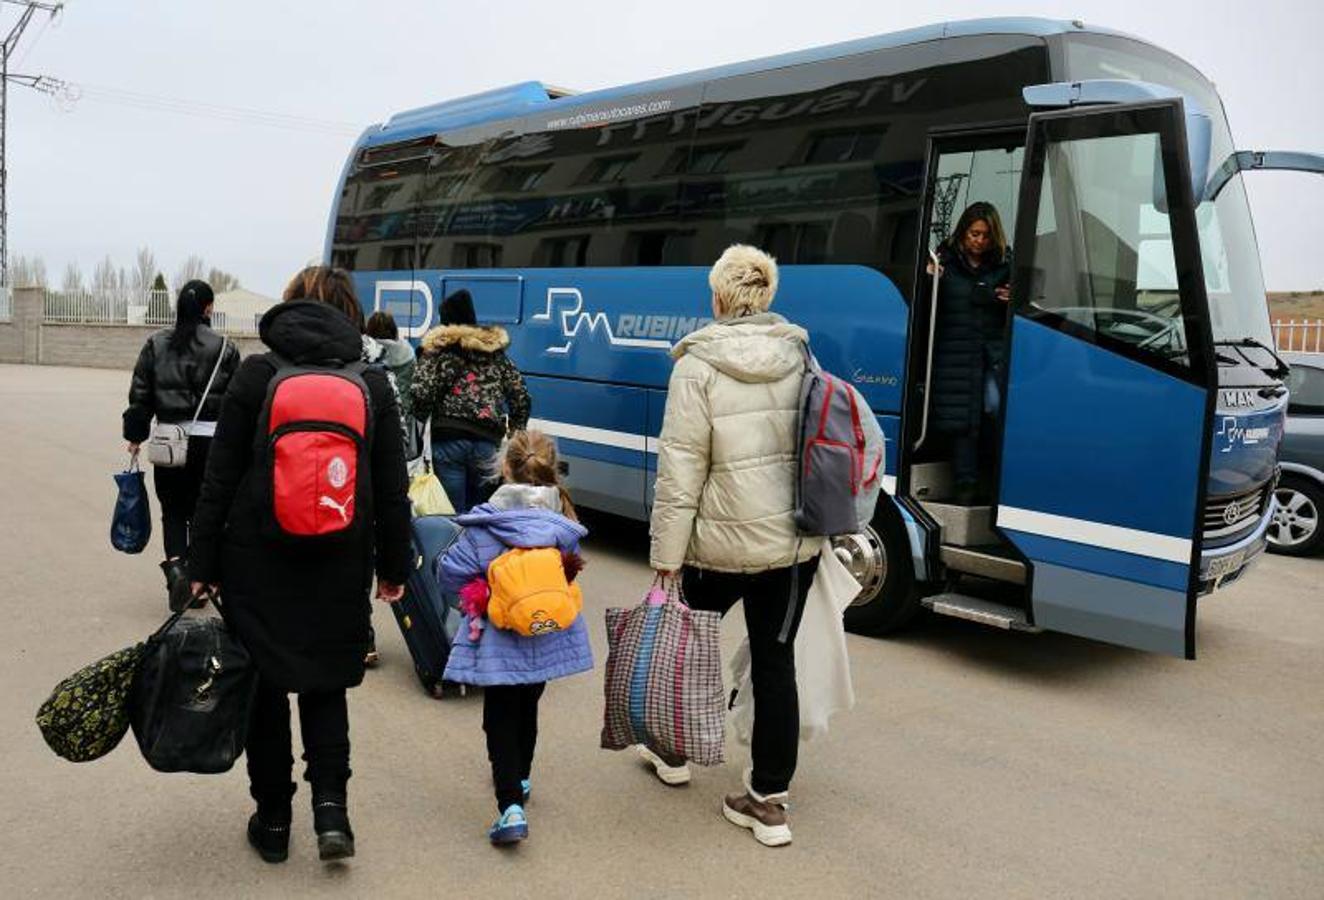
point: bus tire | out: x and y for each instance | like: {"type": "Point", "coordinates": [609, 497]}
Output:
{"type": "Point", "coordinates": [889, 602]}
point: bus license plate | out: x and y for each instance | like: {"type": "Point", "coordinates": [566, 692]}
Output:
{"type": "Point", "coordinates": [1224, 565]}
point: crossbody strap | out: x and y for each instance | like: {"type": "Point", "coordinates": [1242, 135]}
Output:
{"type": "Point", "coordinates": [212, 380]}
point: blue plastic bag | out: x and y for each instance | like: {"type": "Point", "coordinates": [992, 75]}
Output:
{"type": "Point", "coordinates": [131, 523]}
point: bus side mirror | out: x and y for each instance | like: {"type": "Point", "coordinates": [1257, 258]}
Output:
{"type": "Point", "coordinates": [1199, 140]}
{"type": "Point", "coordinates": [1251, 160]}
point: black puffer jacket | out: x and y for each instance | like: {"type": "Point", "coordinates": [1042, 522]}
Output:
{"type": "Point", "coordinates": [302, 611]}
{"type": "Point", "coordinates": [969, 339]}
{"type": "Point", "coordinates": [167, 384]}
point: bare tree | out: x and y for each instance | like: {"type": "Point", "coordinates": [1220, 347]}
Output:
{"type": "Point", "coordinates": [144, 269]}
{"type": "Point", "coordinates": [27, 272]}
{"type": "Point", "coordinates": [103, 276]}
{"type": "Point", "coordinates": [192, 268]}
{"type": "Point", "coordinates": [122, 279]}
{"type": "Point", "coordinates": [221, 280]}
{"type": "Point", "coordinates": [73, 278]}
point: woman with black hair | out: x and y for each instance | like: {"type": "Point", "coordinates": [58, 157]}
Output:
{"type": "Point", "coordinates": [973, 293]}
{"type": "Point", "coordinates": [168, 385]}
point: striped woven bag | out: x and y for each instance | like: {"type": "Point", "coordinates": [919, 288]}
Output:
{"type": "Point", "coordinates": [663, 684]}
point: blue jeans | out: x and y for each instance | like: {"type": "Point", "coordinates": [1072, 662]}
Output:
{"type": "Point", "coordinates": [464, 466]}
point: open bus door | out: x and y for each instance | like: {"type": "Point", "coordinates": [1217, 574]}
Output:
{"type": "Point", "coordinates": [1109, 389]}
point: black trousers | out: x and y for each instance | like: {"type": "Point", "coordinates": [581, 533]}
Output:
{"type": "Point", "coordinates": [177, 491]}
{"type": "Point", "coordinates": [776, 740]}
{"type": "Point", "coordinates": [510, 721]}
{"type": "Point", "coordinates": [324, 723]}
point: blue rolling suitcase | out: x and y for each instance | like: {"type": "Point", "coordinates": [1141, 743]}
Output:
{"type": "Point", "coordinates": [428, 619]}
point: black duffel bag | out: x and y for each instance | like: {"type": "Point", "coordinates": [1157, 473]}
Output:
{"type": "Point", "coordinates": [191, 697]}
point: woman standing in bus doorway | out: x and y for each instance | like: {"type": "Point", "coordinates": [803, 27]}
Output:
{"type": "Point", "coordinates": [974, 273]}
{"type": "Point", "coordinates": [475, 397]}
{"type": "Point", "coordinates": [724, 511]}
{"type": "Point", "coordinates": [169, 381]}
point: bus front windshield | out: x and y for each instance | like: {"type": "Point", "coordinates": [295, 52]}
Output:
{"type": "Point", "coordinates": [1238, 307]}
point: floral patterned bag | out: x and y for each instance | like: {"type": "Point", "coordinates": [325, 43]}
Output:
{"type": "Point", "coordinates": [88, 713]}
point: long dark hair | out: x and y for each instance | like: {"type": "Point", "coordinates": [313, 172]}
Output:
{"type": "Point", "coordinates": [190, 312]}
{"type": "Point", "coordinates": [973, 213]}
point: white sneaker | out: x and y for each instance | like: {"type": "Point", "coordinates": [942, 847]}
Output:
{"type": "Point", "coordinates": [672, 775]}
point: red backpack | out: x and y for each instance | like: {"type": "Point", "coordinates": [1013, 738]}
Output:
{"type": "Point", "coordinates": [313, 438]}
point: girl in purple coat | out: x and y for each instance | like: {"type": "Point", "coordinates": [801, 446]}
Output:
{"type": "Point", "coordinates": [531, 509]}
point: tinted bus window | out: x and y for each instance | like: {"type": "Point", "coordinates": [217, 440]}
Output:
{"type": "Point", "coordinates": [824, 163]}
{"type": "Point", "coordinates": [375, 219]}
{"type": "Point", "coordinates": [819, 163]}
{"type": "Point", "coordinates": [586, 196]}
{"type": "Point", "coordinates": [455, 229]}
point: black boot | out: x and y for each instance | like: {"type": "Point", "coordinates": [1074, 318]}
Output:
{"type": "Point", "coordinates": [269, 833]}
{"type": "Point", "coordinates": [335, 839]}
{"type": "Point", "coordinates": [177, 585]}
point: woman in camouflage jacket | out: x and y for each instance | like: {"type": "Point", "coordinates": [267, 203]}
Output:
{"type": "Point", "coordinates": [474, 396]}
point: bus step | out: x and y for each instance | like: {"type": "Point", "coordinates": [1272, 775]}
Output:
{"type": "Point", "coordinates": [963, 526]}
{"type": "Point", "coordinates": [984, 564]}
{"type": "Point", "coordinates": [985, 612]}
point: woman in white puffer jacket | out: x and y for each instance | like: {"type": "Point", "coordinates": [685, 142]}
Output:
{"type": "Point", "coordinates": [724, 509]}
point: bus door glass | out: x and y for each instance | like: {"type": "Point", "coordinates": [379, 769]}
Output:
{"type": "Point", "coordinates": [1109, 382]}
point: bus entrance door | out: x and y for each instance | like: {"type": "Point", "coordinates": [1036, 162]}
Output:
{"type": "Point", "coordinates": [1106, 421]}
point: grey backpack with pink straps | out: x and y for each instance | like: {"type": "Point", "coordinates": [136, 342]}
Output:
{"type": "Point", "coordinates": [839, 463]}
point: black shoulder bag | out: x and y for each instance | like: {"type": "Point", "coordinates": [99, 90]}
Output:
{"type": "Point", "coordinates": [191, 696]}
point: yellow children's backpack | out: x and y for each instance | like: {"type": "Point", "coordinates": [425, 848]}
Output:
{"type": "Point", "coordinates": [531, 594]}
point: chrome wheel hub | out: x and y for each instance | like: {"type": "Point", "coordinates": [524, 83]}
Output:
{"type": "Point", "coordinates": [866, 558]}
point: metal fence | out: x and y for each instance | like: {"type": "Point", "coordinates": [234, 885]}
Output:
{"type": "Point", "coordinates": [129, 307]}
{"type": "Point", "coordinates": [6, 303]}
{"type": "Point", "coordinates": [1305, 336]}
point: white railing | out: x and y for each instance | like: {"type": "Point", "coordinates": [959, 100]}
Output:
{"type": "Point", "coordinates": [129, 307]}
{"type": "Point", "coordinates": [223, 321]}
{"type": "Point", "coordinates": [1306, 336]}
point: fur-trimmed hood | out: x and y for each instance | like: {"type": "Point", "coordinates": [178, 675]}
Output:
{"type": "Point", "coordinates": [478, 338]}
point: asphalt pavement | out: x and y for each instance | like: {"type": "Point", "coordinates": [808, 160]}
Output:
{"type": "Point", "coordinates": [977, 763]}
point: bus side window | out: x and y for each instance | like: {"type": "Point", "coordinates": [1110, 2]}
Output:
{"type": "Point", "coordinates": [375, 220]}
{"type": "Point", "coordinates": [453, 230]}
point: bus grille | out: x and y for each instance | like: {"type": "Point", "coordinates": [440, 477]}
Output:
{"type": "Point", "coordinates": [1228, 515]}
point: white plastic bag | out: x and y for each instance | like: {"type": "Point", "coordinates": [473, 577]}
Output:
{"type": "Point", "coordinates": [822, 667]}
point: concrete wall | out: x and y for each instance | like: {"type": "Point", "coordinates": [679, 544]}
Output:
{"type": "Point", "coordinates": [27, 339]}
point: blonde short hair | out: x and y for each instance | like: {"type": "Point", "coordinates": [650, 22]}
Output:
{"type": "Point", "coordinates": [744, 281]}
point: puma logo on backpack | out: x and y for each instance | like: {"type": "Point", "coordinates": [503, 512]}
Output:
{"type": "Point", "coordinates": [312, 451]}
{"type": "Point", "coordinates": [531, 593]}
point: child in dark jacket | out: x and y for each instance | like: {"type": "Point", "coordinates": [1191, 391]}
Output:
{"type": "Point", "coordinates": [530, 510]}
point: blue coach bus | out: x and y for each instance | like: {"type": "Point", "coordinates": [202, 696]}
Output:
{"type": "Point", "coordinates": [1135, 454]}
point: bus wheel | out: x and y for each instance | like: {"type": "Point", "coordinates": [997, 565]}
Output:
{"type": "Point", "coordinates": [879, 558]}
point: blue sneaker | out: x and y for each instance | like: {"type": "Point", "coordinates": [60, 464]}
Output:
{"type": "Point", "coordinates": [511, 826]}
{"type": "Point", "coordinates": [527, 787]}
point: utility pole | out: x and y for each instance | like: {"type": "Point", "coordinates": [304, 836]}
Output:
{"type": "Point", "coordinates": [46, 85]}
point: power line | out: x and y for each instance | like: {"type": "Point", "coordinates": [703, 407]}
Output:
{"type": "Point", "coordinates": [214, 111]}
{"type": "Point", "coordinates": [52, 86]}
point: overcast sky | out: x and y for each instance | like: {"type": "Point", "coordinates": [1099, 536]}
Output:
{"type": "Point", "coordinates": [117, 172]}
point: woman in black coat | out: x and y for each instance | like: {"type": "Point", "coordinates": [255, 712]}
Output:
{"type": "Point", "coordinates": [301, 611]}
{"type": "Point", "coordinates": [967, 355]}
{"type": "Point", "coordinates": [168, 384]}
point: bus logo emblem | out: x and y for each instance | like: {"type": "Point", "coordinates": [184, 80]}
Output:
{"type": "Point", "coordinates": [574, 320]}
